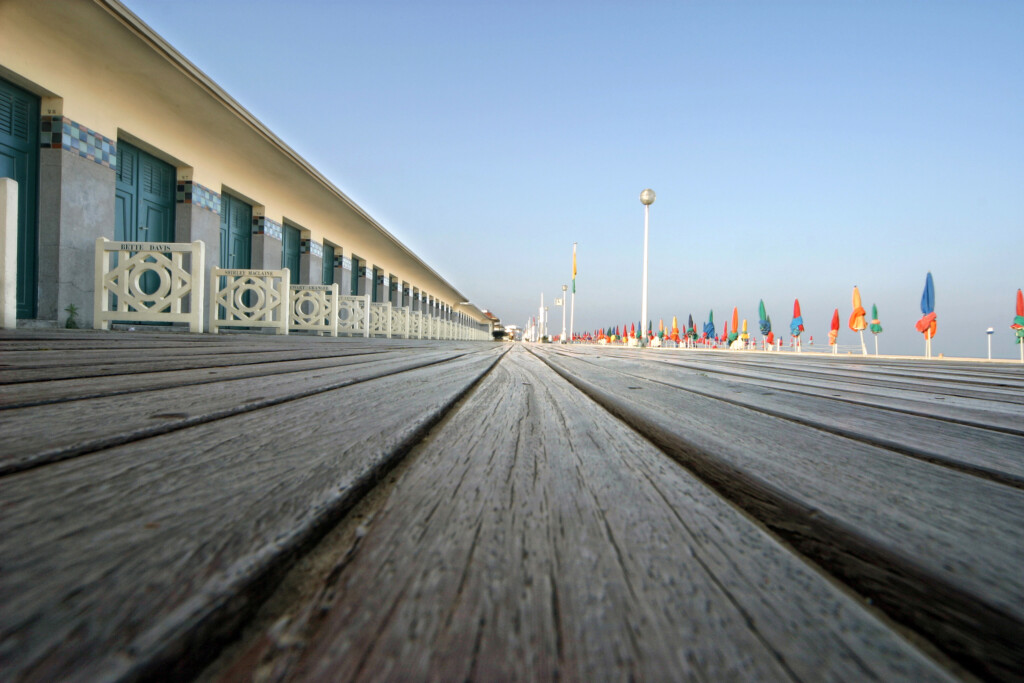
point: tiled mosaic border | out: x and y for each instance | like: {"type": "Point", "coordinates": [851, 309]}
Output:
{"type": "Point", "coordinates": [261, 225]}
{"type": "Point", "coordinates": [311, 247]}
{"type": "Point", "coordinates": [198, 195]}
{"type": "Point", "coordinates": [60, 132]}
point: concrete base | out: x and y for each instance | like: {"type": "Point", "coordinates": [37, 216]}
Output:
{"type": "Point", "coordinates": [76, 205]}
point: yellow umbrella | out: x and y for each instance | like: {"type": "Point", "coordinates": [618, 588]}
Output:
{"type": "Point", "coordinates": [857, 321]}
{"type": "Point", "coordinates": [744, 336]}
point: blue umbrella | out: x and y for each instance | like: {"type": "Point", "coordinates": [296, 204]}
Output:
{"type": "Point", "coordinates": [928, 297]}
{"type": "Point", "coordinates": [709, 326]}
{"type": "Point", "coordinates": [927, 323]}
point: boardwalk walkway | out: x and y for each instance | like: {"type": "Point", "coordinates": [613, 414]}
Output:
{"type": "Point", "coordinates": [256, 507]}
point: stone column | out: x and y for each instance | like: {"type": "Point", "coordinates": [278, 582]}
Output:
{"type": "Point", "coordinates": [343, 272]}
{"type": "Point", "coordinates": [76, 205]}
{"type": "Point", "coordinates": [197, 218]}
{"type": "Point", "coordinates": [311, 262]}
{"type": "Point", "coordinates": [266, 242]}
{"type": "Point", "coordinates": [364, 277]}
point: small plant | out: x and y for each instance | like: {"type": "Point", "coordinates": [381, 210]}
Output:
{"type": "Point", "coordinates": [72, 322]}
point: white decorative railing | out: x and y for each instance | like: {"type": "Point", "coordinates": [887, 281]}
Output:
{"type": "Point", "coordinates": [314, 308]}
{"type": "Point", "coordinates": [249, 298]}
{"type": "Point", "coordinates": [430, 327]}
{"type": "Point", "coordinates": [400, 322]}
{"type": "Point", "coordinates": [415, 325]}
{"type": "Point", "coordinates": [380, 319]}
{"type": "Point", "coordinates": [120, 291]}
{"type": "Point", "coordinates": [354, 315]}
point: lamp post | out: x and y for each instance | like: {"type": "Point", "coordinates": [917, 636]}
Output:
{"type": "Point", "coordinates": [646, 198]}
{"type": "Point", "coordinates": [990, 332]}
{"type": "Point", "coordinates": [565, 288]}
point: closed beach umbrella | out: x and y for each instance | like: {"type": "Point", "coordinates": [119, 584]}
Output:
{"type": "Point", "coordinates": [743, 335]}
{"type": "Point", "coordinates": [833, 333]}
{"type": "Point", "coordinates": [675, 330]}
{"type": "Point", "coordinates": [926, 324]}
{"type": "Point", "coordinates": [709, 326]}
{"type": "Point", "coordinates": [1018, 324]}
{"type": "Point", "coordinates": [725, 332]}
{"type": "Point", "coordinates": [876, 327]}
{"type": "Point", "coordinates": [796, 326]}
{"type": "Point", "coordinates": [735, 325]}
{"type": "Point", "coordinates": [765, 323]}
{"type": "Point", "coordinates": [857, 322]}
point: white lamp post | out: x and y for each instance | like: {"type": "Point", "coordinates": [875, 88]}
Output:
{"type": "Point", "coordinates": [646, 198]}
{"type": "Point", "coordinates": [565, 288]}
{"type": "Point", "coordinates": [990, 332]}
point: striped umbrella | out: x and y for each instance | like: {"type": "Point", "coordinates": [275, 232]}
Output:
{"type": "Point", "coordinates": [735, 325]}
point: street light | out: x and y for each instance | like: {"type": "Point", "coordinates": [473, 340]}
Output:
{"type": "Point", "coordinates": [565, 288]}
{"type": "Point", "coordinates": [646, 198]}
{"type": "Point", "coordinates": [990, 332]}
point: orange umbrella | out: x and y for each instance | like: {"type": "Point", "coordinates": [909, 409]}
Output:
{"type": "Point", "coordinates": [857, 321]}
{"type": "Point", "coordinates": [675, 330]}
{"type": "Point", "coordinates": [735, 325]}
{"type": "Point", "coordinates": [833, 333]}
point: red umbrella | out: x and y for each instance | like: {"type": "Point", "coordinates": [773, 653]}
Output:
{"type": "Point", "coordinates": [1018, 324]}
{"type": "Point", "coordinates": [833, 334]}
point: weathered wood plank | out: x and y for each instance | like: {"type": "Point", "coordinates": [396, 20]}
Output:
{"type": "Point", "coordinates": [62, 390]}
{"type": "Point", "coordinates": [982, 412]}
{"type": "Point", "coordinates": [894, 527]}
{"type": "Point", "coordinates": [138, 560]}
{"type": "Point", "coordinates": [533, 538]}
{"type": "Point", "coordinates": [980, 451]}
{"type": "Point", "coordinates": [58, 365]}
{"type": "Point", "coordinates": [48, 433]}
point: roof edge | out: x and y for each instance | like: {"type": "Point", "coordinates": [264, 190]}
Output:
{"type": "Point", "coordinates": [131, 21]}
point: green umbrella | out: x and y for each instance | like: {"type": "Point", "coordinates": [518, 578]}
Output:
{"type": "Point", "coordinates": [876, 326]}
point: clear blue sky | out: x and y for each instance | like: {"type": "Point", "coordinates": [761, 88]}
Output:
{"type": "Point", "coordinates": [797, 148]}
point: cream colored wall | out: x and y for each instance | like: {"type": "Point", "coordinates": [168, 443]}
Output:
{"type": "Point", "coordinates": [111, 79]}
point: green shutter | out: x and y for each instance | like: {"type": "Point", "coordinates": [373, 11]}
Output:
{"type": "Point", "coordinates": [19, 159]}
{"type": "Point", "coordinates": [328, 274]}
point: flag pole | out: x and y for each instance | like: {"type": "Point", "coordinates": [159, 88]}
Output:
{"type": "Point", "coordinates": [572, 314]}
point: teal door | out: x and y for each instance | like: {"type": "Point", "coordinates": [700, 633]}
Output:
{"type": "Point", "coordinates": [143, 197]}
{"type": "Point", "coordinates": [19, 159]}
{"type": "Point", "coordinates": [328, 274]}
{"type": "Point", "coordinates": [235, 233]}
{"type": "Point", "coordinates": [290, 251]}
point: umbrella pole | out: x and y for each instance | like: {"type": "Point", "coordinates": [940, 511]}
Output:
{"type": "Point", "coordinates": [863, 349]}
{"type": "Point", "coordinates": [876, 344]}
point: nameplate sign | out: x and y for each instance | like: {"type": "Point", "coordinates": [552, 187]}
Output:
{"type": "Point", "coordinates": [248, 273]}
{"type": "Point", "coordinates": [141, 246]}
{"type": "Point", "coordinates": [346, 263]}
{"type": "Point", "coordinates": [316, 288]}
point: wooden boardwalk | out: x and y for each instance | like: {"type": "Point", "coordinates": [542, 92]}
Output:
{"type": "Point", "coordinates": [252, 507]}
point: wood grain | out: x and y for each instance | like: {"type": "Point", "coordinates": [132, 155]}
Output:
{"type": "Point", "coordinates": [533, 538]}
{"type": "Point", "coordinates": [894, 527]}
{"type": "Point", "coordinates": [140, 560]}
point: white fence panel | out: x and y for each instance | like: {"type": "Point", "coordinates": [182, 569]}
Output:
{"type": "Point", "coordinates": [380, 319]}
{"type": "Point", "coordinates": [400, 322]}
{"type": "Point", "coordinates": [249, 298]}
{"type": "Point", "coordinates": [314, 308]}
{"type": "Point", "coordinates": [171, 283]}
{"type": "Point", "coordinates": [415, 325]}
{"type": "Point", "coordinates": [354, 315]}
